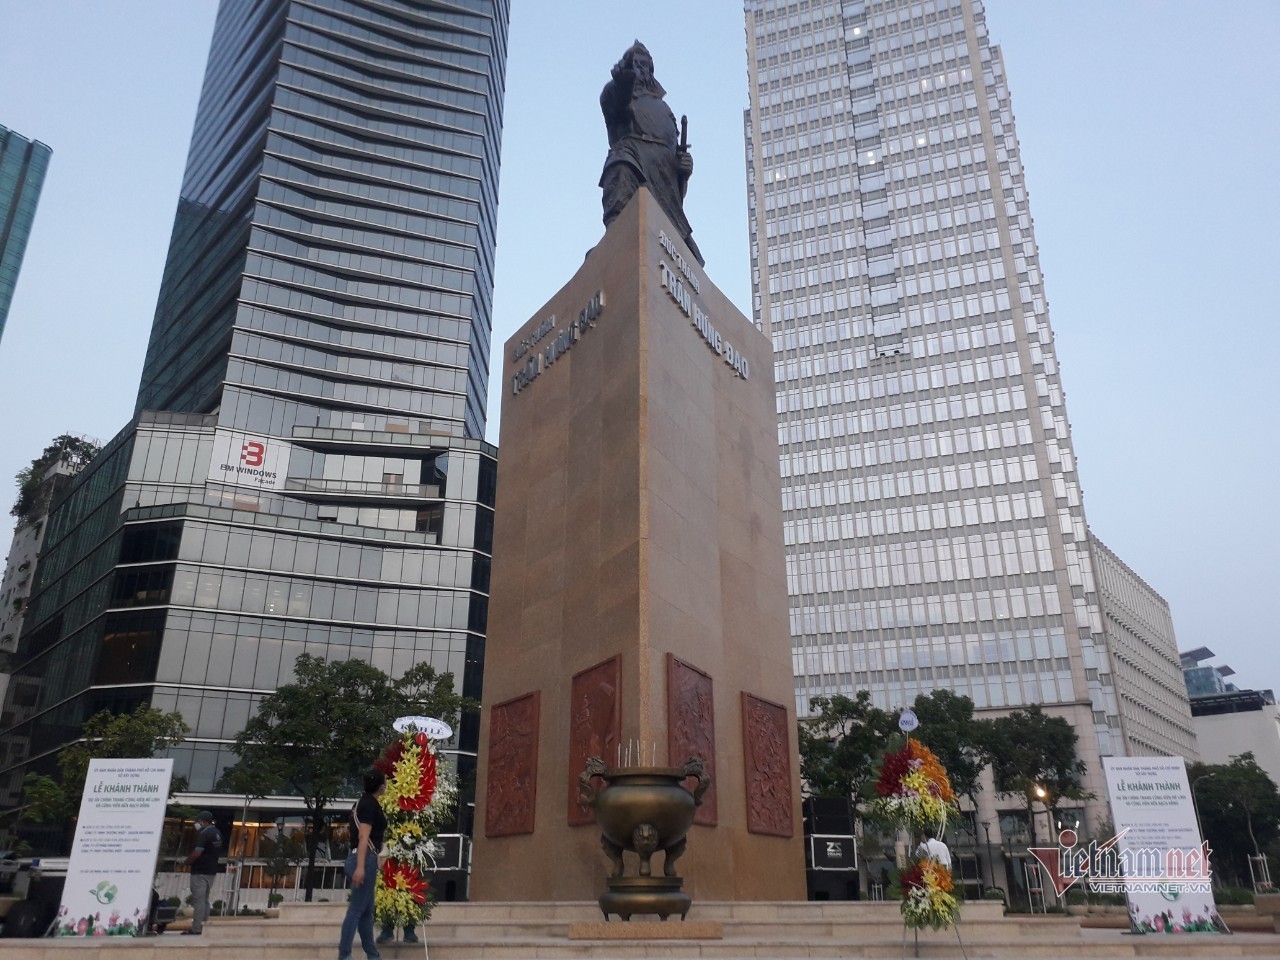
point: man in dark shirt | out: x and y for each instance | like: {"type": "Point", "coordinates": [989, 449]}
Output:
{"type": "Point", "coordinates": [203, 861]}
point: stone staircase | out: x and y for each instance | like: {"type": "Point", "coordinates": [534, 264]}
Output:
{"type": "Point", "coordinates": [723, 931]}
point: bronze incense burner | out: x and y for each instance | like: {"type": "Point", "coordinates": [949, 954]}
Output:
{"type": "Point", "coordinates": [643, 810]}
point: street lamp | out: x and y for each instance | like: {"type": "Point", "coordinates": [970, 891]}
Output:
{"type": "Point", "coordinates": [991, 867]}
{"type": "Point", "coordinates": [1043, 796]}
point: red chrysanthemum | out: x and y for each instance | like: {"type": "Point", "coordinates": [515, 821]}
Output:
{"type": "Point", "coordinates": [896, 766]}
{"type": "Point", "coordinates": [390, 757]}
{"type": "Point", "coordinates": [911, 878]}
{"type": "Point", "coordinates": [402, 876]}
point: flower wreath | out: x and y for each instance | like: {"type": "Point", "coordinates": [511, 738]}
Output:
{"type": "Point", "coordinates": [913, 790]}
{"type": "Point", "coordinates": [419, 798]}
{"type": "Point", "coordinates": [925, 889]}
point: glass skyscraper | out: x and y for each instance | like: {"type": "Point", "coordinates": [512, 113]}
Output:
{"type": "Point", "coordinates": [935, 528]}
{"type": "Point", "coordinates": [306, 470]}
{"type": "Point", "coordinates": [22, 168]}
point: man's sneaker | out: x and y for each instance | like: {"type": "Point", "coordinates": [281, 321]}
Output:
{"type": "Point", "coordinates": [411, 937]}
{"type": "Point", "coordinates": [191, 933]}
{"type": "Point", "coordinates": [385, 937]}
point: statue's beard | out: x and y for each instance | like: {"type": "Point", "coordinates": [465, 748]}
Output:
{"type": "Point", "coordinates": [648, 85]}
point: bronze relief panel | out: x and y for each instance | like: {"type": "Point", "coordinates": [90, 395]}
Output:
{"type": "Point", "coordinates": [691, 727]}
{"type": "Point", "coordinates": [767, 761]}
{"type": "Point", "coordinates": [513, 766]}
{"type": "Point", "coordinates": [595, 727]}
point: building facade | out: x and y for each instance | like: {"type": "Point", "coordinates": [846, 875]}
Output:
{"type": "Point", "coordinates": [935, 525]}
{"type": "Point", "coordinates": [305, 472]}
{"type": "Point", "coordinates": [20, 564]}
{"type": "Point", "coordinates": [1204, 679]}
{"type": "Point", "coordinates": [1155, 715]}
{"type": "Point", "coordinates": [23, 164]}
{"type": "Point", "coordinates": [1231, 723]}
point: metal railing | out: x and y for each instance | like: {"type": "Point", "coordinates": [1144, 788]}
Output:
{"type": "Point", "coordinates": [364, 488]}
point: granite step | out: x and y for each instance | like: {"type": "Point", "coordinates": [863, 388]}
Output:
{"type": "Point", "coordinates": [930, 946]}
{"type": "Point", "coordinates": [751, 931]}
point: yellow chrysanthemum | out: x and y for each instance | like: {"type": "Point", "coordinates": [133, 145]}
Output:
{"type": "Point", "coordinates": [405, 782]}
{"type": "Point", "coordinates": [396, 908]}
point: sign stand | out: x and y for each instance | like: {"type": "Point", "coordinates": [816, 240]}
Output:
{"type": "Point", "coordinates": [113, 856]}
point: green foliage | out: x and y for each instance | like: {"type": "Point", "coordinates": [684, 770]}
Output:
{"type": "Point", "coordinates": [840, 747]}
{"type": "Point", "coordinates": [281, 854]}
{"type": "Point", "coordinates": [995, 893]}
{"type": "Point", "coordinates": [947, 727]}
{"type": "Point", "coordinates": [1232, 896]}
{"type": "Point", "coordinates": [1239, 811]}
{"type": "Point", "coordinates": [76, 450]}
{"type": "Point", "coordinates": [1080, 895]}
{"type": "Point", "coordinates": [1030, 749]}
{"type": "Point", "coordinates": [106, 735]}
{"type": "Point", "coordinates": [44, 800]}
{"type": "Point", "coordinates": [315, 737]}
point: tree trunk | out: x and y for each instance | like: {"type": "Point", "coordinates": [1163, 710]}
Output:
{"type": "Point", "coordinates": [313, 846]}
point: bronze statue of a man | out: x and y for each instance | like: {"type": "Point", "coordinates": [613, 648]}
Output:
{"type": "Point", "coordinates": [644, 147]}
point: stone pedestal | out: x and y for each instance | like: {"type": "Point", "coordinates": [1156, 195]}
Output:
{"type": "Point", "coordinates": [638, 602]}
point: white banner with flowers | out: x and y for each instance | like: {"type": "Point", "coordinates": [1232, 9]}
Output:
{"type": "Point", "coordinates": [1160, 860]}
{"type": "Point", "coordinates": [113, 856]}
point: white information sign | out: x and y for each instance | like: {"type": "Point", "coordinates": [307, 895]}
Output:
{"type": "Point", "coordinates": [1162, 860]}
{"type": "Point", "coordinates": [249, 460]}
{"type": "Point", "coordinates": [113, 857]}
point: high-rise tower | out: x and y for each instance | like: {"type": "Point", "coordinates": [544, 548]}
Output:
{"type": "Point", "coordinates": [306, 469]}
{"type": "Point", "coordinates": [332, 258]}
{"type": "Point", "coordinates": [22, 168]}
{"type": "Point", "coordinates": [935, 529]}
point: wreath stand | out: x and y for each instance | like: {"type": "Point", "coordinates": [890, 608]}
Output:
{"type": "Point", "coordinates": [916, 932]}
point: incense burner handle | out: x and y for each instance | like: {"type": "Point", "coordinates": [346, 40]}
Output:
{"type": "Point", "coordinates": [587, 792]}
{"type": "Point", "coordinates": [694, 767]}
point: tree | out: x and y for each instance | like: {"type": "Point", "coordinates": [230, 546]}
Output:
{"type": "Point", "coordinates": [106, 735]}
{"type": "Point", "coordinates": [1034, 755]}
{"type": "Point", "coordinates": [314, 737]}
{"type": "Point", "coordinates": [282, 854]}
{"type": "Point", "coordinates": [947, 727]}
{"type": "Point", "coordinates": [1239, 811]}
{"type": "Point", "coordinates": [77, 451]}
{"type": "Point", "coordinates": [840, 747]}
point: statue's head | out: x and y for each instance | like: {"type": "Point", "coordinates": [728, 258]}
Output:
{"type": "Point", "coordinates": [640, 60]}
{"type": "Point", "coordinates": [639, 57]}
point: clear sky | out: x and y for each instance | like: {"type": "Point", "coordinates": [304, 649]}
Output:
{"type": "Point", "coordinates": [1151, 137]}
